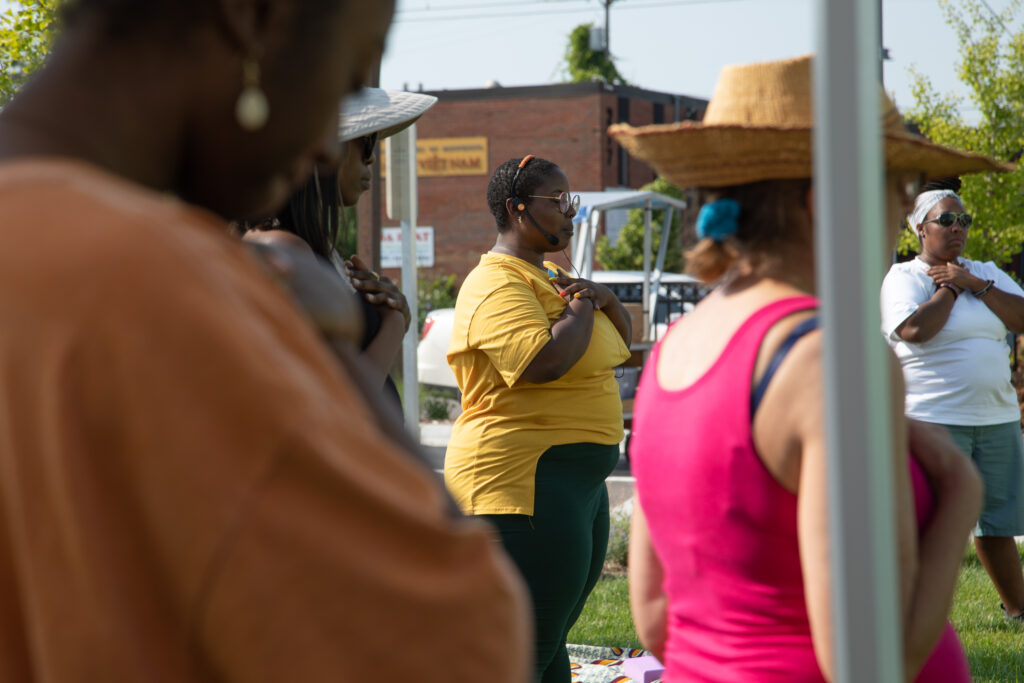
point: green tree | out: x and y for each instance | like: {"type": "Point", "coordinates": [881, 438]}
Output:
{"type": "Point", "coordinates": [628, 251]}
{"type": "Point", "coordinates": [583, 64]}
{"type": "Point", "coordinates": [992, 67]}
{"type": "Point", "coordinates": [26, 34]}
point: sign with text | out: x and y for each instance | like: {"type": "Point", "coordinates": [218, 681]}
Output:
{"type": "Point", "coordinates": [391, 247]}
{"type": "Point", "coordinates": [448, 157]}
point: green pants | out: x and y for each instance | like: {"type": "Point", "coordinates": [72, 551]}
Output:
{"type": "Point", "coordinates": [560, 549]}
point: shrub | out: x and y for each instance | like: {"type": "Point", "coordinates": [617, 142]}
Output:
{"type": "Point", "coordinates": [628, 251]}
{"type": "Point", "coordinates": [433, 294]}
{"type": "Point", "coordinates": [435, 404]}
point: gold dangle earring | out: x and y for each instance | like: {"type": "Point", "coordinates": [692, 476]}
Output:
{"type": "Point", "coordinates": [252, 108]}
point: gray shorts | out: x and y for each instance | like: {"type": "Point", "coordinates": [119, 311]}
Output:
{"type": "Point", "coordinates": [998, 453]}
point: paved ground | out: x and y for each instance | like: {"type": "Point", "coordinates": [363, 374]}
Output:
{"type": "Point", "coordinates": [434, 437]}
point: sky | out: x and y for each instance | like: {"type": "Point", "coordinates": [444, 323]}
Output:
{"type": "Point", "coordinates": [674, 46]}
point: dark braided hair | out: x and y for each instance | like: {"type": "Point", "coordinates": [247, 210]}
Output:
{"type": "Point", "coordinates": [499, 188]}
{"type": "Point", "coordinates": [950, 183]}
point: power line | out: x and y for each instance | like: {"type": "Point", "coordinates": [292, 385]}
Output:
{"type": "Point", "coordinates": [494, 15]}
{"type": "Point", "coordinates": [996, 16]}
{"type": "Point", "coordinates": [618, 7]}
{"type": "Point", "coordinates": [492, 5]}
{"type": "Point", "coordinates": [430, 42]}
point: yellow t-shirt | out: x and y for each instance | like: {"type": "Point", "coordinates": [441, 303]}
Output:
{"type": "Point", "coordinates": [503, 318]}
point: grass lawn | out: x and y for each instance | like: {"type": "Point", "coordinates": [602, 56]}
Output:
{"type": "Point", "coordinates": [606, 619]}
{"type": "Point", "coordinates": [995, 647]}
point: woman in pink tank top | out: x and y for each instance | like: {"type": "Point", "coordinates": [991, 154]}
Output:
{"type": "Point", "coordinates": [729, 565]}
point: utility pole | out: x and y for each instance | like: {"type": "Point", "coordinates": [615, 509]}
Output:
{"type": "Point", "coordinates": [369, 214]}
{"type": "Point", "coordinates": [607, 29]}
{"type": "Point", "coordinates": [883, 53]}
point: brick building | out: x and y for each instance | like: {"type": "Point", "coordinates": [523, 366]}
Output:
{"type": "Point", "coordinates": [468, 133]}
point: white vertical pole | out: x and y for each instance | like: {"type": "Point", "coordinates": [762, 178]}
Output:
{"type": "Point", "coordinates": [646, 289]}
{"type": "Point", "coordinates": [659, 269]}
{"type": "Point", "coordinates": [585, 253]}
{"type": "Point", "coordinates": [666, 225]}
{"type": "Point", "coordinates": [410, 380]}
{"type": "Point", "coordinates": [850, 245]}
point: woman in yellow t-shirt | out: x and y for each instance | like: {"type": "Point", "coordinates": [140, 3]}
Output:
{"type": "Point", "coordinates": [542, 419]}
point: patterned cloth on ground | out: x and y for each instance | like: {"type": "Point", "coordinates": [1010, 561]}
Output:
{"type": "Point", "coordinates": [593, 664]}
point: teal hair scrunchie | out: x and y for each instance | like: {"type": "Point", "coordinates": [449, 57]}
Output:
{"type": "Point", "coordinates": [718, 220]}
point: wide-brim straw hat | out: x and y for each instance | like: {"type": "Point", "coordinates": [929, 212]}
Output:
{"type": "Point", "coordinates": [385, 112]}
{"type": "Point", "coordinates": [758, 127]}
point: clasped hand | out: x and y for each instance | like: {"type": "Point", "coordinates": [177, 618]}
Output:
{"type": "Point", "coordinates": [378, 290]}
{"type": "Point", "coordinates": [573, 288]}
{"type": "Point", "coordinates": [954, 274]}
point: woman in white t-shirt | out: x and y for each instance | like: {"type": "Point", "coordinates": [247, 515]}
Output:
{"type": "Point", "coordinates": [947, 318]}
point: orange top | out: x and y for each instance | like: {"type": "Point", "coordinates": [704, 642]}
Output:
{"type": "Point", "coordinates": [190, 488]}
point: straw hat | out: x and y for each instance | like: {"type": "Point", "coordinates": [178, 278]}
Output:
{"type": "Point", "coordinates": [758, 127]}
{"type": "Point", "coordinates": [386, 112]}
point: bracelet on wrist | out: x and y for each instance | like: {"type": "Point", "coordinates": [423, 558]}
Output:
{"type": "Point", "coordinates": [984, 290]}
{"type": "Point", "coordinates": [951, 287]}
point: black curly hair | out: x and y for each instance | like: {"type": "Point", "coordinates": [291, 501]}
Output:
{"type": "Point", "coordinates": [499, 188]}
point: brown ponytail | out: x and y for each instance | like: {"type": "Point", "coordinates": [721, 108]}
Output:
{"type": "Point", "coordinates": [771, 213]}
{"type": "Point", "coordinates": [709, 260]}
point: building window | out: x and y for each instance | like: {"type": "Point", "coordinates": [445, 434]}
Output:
{"type": "Point", "coordinates": [659, 113]}
{"type": "Point", "coordinates": [609, 145]}
{"type": "Point", "coordinates": [623, 156]}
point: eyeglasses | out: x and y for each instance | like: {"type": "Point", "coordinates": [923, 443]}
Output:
{"type": "Point", "coordinates": [369, 144]}
{"type": "Point", "coordinates": [566, 201]}
{"type": "Point", "coordinates": [947, 218]}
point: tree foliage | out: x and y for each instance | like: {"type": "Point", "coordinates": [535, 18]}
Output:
{"type": "Point", "coordinates": [26, 34]}
{"type": "Point", "coordinates": [628, 251]}
{"type": "Point", "coordinates": [584, 65]}
{"type": "Point", "coordinates": [992, 67]}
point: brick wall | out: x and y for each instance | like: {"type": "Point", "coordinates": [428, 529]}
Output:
{"type": "Point", "coordinates": [568, 129]}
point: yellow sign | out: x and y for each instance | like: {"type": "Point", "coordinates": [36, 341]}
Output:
{"type": "Point", "coordinates": [448, 157]}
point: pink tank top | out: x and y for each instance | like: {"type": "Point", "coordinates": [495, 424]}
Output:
{"type": "Point", "coordinates": [725, 530]}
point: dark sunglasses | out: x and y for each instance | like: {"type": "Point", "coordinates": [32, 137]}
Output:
{"type": "Point", "coordinates": [565, 201]}
{"type": "Point", "coordinates": [947, 218]}
{"type": "Point", "coordinates": [369, 144]}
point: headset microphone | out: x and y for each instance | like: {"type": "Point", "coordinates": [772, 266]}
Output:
{"type": "Point", "coordinates": [552, 240]}
{"type": "Point", "coordinates": [521, 205]}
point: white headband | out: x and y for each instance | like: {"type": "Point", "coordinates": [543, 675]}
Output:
{"type": "Point", "coordinates": [924, 203]}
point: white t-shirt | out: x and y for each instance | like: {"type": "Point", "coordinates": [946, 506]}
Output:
{"type": "Point", "coordinates": [961, 376]}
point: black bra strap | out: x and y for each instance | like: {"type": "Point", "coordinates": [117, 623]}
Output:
{"type": "Point", "coordinates": [805, 326]}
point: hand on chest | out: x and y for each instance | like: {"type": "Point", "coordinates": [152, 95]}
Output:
{"type": "Point", "coordinates": [550, 300]}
